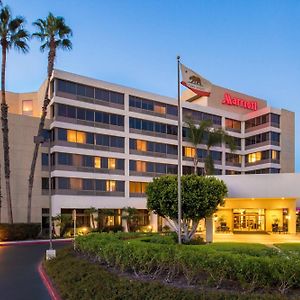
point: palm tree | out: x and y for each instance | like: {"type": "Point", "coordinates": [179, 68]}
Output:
{"type": "Point", "coordinates": [90, 212]}
{"type": "Point", "coordinates": [130, 215]}
{"type": "Point", "coordinates": [12, 35]}
{"type": "Point", "coordinates": [204, 133]}
{"type": "Point", "coordinates": [54, 34]}
{"type": "Point", "coordinates": [196, 135]}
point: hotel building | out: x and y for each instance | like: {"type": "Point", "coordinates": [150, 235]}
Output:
{"type": "Point", "coordinates": [108, 141]}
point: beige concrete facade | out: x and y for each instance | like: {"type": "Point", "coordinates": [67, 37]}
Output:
{"type": "Point", "coordinates": [24, 127]}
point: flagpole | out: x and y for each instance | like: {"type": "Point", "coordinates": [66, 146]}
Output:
{"type": "Point", "coordinates": [179, 135]}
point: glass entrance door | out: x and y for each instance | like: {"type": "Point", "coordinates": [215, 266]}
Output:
{"type": "Point", "coordinates": [249, 219]}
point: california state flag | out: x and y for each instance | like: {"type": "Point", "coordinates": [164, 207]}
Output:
{"type": "Point", "coordinates": [195, 82]}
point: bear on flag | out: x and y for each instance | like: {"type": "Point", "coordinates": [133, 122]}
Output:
{"type": "Point", "coordinates": [195, 82]}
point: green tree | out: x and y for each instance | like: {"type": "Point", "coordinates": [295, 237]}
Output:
{"type": "Point", "coordinates": [204, 133]}
{"type": "Point", "coordinates": [54, 34]}
{"type": "Point", "coordinates": [12, 35]}
{"type": "Point", "coordinates": [64, 221]}
{"type": "Point", "coordinates": [201, 196]}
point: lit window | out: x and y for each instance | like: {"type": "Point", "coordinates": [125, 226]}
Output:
{"type": "Point", "coordinates": [112, 163]}
{"type": "Point", "coordinates": [75, 183]}
{"type": "Point", "coordinates": [110, 185]}
{"type": "Point", "coordinates": [137, 187]}
{"type": "Point", "coordinates": [189, 152]}
{"type": "Point", "coordinates": [143, 186]}
{"type": "Point", "coordinates": [97, 162]}
{"type": "Point", "coordinates": [274, 155]}
{"type": "Point", "coordinates": [159, 108]}
{"type": "Point", "coordinates": [27, 107]}
{"type": "Point", "coordinates": [141, 145]}
{"type": "Point", "coordinates": [254, 157]}
{"type": "Point", "coordinates": [81, 137]}
{"type": "Point", "coordinates": [71, 136]}
{"type": "Point", "coordinates": [141, 166]}
{"type": "Point", "coordinates": [133, 187]}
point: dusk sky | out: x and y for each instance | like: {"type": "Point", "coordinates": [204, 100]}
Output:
{"type": "Point", "coordinates": [248, 46]}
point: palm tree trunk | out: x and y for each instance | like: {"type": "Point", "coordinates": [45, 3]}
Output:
{"type": "Point", "coordinates": [4, 120]}
{"type": "Point", "coordinates": [195, 161]}
{"type": "Point", "coordinates": [51, 58]}
{"type": "Point", "coordinates": [0, 195]}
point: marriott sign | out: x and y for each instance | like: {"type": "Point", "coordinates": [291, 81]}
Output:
{"type": "Point", "coordinates": [229, 100]}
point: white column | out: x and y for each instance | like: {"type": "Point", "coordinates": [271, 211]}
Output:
{"type": "Point", "coordinates": [153, 222]}
{"type": "Point", "coordinates": [126, 145]}
{"type": "Point", "coordinates": [223, 150]}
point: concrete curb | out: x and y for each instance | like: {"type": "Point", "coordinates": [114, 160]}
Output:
{"type": "Point", "coordinates": [47, 283]}
{"type": "Point", "coordinates": [34, 242]}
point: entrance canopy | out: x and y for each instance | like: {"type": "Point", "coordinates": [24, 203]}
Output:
{"type": "Point", "coordinates": [285, 185]}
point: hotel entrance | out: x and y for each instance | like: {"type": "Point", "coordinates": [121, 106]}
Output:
{"type": "Point", "coordinates": [249, 220]}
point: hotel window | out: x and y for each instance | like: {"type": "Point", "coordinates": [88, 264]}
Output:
{"type": "Point", "coordinates": [97, 162]}
{"type": "Point", "coordinates": [77, 160]}
{"type": "Point", "coordinates": [88, 184]}
{"type": "Point", "coordinates": [140, 166]}
{"type": "Point", "coordinates": [233, 124]}
{"type": "Point", "coordinates": [44, 159]}
{"type": "Point", "coordinates": [275, 155]}
{"type": "Point", "coordinates": [189, 152]}
{"type": "Point", "coordinates": [160, 108]}
{"type": "Point", "coordinates": [141, 145]}
{"type": "Point", "coordinates": [75, 184]}
{"type": "Point", "coordinates": [137, 187]}
{"type": "Point", "coordinates": [110, 185]}
{"type": "Point", "coordinates": [71, 136]}
{"type": "Point", "coordinates": [64, 159]}
{"type": "Point", "coordinates": [27, 107]}
{"type": "Point", "coordinates": [254, 157]}
{"type": "Point", "coordinates": [45, 183]}
{"type": "Point", "coordinates": [111, 163]}
{"type": "Point", "coordinates": [81, 137]}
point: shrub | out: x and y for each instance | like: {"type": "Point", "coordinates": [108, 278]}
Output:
{"type": "Point", "coordinates": [19, 231]}
{"type": "Point", "coordinates": [200, 265]}
{"type": "Point", "coordinates": [78, 278]}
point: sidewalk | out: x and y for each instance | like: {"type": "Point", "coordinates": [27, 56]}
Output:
{"type": "Point", "coordinates": [34, 242]}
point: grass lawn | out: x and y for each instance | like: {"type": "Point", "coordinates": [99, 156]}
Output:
{"type": "Point", "coordinates": [293, 247]}
{"type": "Point", "coordinates": [78, 278]}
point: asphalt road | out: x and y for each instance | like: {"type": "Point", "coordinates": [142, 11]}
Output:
{"type": "Point", "coordinates": [19, 278]}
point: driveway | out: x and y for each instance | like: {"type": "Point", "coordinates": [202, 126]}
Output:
{"type": "Point", "coordinates": [19, 278]}
{"type": "Point", "coordinates": [267, 239]}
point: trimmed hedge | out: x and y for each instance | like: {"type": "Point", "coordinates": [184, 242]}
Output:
{"type": "Point", "coordinates": [19, 231]}
{"type": "Point", "coordinates": [197, 265]}
{"type": "Point", "coordinates": [77, 278]}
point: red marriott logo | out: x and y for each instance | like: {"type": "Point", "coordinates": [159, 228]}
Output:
{"type": "Point", "coordinates": [229, 100]}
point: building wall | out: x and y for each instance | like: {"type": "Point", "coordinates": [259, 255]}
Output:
{"type": "Point", "coordinates": [287, 141]}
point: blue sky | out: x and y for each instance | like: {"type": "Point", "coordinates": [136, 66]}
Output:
{"type": "Point", "coordinates": [249, 46]}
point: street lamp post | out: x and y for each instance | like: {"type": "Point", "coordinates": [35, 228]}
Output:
{"type": "Point", "coordinates": [50, 253]}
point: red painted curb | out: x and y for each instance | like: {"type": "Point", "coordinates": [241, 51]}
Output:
{"type": "Point", "coordinates": [32, 242]}
{"type": "Point", "coordinates": [47, 283]}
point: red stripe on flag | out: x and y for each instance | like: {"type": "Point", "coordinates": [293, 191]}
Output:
{"type": "Point", "coordinates": [196, 91]}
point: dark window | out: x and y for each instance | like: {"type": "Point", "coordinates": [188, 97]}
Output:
{"type": "Point", "coordinates": [116, 142]}
{"type": "Point", "coordinates": [172, 169]}
{"type": "Point", "coordinates": [63, 183]}
{"type": "Point", "coordinates": [80, 90]}
{"type": "Point", "coordinates": [116, 98]}
{"type": "Point", "coordinates": [172, 110]}
{"type": "Point", "coordinates": [120, 164]}
{"type": "Point", "coordinates": [275, 119]}
{"type": "Point", "coordinates": [89, 115]}
{"type": "Point", "coordinates": [89, 138]}
{"type": "Point", "coordinates": [62, 110]}
{"type": "Point", "coordinates": [132, 165]}
{"type": "Point", "coordinates": [64, 159]}
{"type": "Point", "coordinates": [150, 167]}
{"type": "Point", "coordinates": [45, 183]}
{"type": "Point", "coordinates": [89, 92]}
{"type": "Point", "coordinates": [104, 162]}
{"type": "Point", "coordinates": [102, 140]}
{"type": "Point", "coordinates": [88, 184]}
{"type": "Point", "coordinates": [62, 134]}
{"type": "Point", "coordinates": [100, 185]}
{"type": "Point", "coordinates": [171, 129]}
{"type": "Point", "coordinates": [172, 149]}
{"type": "Point", "coordinates": [160, 168]}
{"type": "Point", "coordinates": [80, 113]}
{"type": "Point", "coordinates": [132, 144]}
{"type": "Point", "coordinates": [150, 146]}
{"type": "Point", "coordinates": [71, 112]}
{"type": "Point", "coordinates": [120, 186]}
{"type": "Point", "coordinates": [102, 95]}
{"type": "Point", "coordinates": [44, 159]}
{"type": "Point", "coordinates": [88, 161]}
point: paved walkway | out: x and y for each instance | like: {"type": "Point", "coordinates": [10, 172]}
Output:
{"type": "Point", "coordinates": [19, 278]}
{"type": "Point", "coordinates": [267, 239]}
